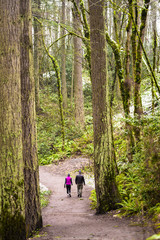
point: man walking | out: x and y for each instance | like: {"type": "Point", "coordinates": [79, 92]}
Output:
{"type": "Point", "coordinates": [79, 180]}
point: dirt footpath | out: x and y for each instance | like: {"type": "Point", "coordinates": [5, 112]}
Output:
{"type": "Point", "coordinates": [71, 218]}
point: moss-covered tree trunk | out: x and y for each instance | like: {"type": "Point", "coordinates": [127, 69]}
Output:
{"type": "Point", "coordinates": [31, 169]}
{"type": "Point", "coordinates": [12, 206]}
{"type": "Point", "coordinates": [128, 87]}
{"type": "Point", "coordinates": [78, 87]}
{"type": "Point", "coordinates": [134, 51]}
{"type": "Point", "coordinates": [104, 168]}
{"type": "Point", "coordinates": [72, 84]}
{"type": "Point", "coordinates": [63, 58]}
{"type": "Point", "coordinates": [80, 11]}
{"type": "Point", "coordinates": [36, 53]}
{"type": "Point", "coordinates": [154, 25]}
{"type": "Point", "coordinates": [137, 62]}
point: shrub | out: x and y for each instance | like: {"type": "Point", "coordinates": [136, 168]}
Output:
{"type": "Point", "coordinates": [139, 181]}
{"type": "Point", "coordinates": [93, 199]}
{"type": "Point", "coordinates": [44, 197]}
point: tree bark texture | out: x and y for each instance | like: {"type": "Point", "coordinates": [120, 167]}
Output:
{"type": "Point", "coordinates": [78, 87]}
{"type": "Point", "coordinates": [31, 169]}
{"type": "Point", "coordinates": [104, 168]}
{"type": "Point", "coordinates": [12, 206]}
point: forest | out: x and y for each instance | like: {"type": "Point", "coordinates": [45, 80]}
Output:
{"type": "Point", "coordinates": [79, 78]}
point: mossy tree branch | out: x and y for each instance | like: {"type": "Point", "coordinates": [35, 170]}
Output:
{"type": "Point", "coordinates": [115, 26]}
{"type": "Point", "coordinates": [86, 34]}
{"type": "Point", "coordinates": [58, 40]}
{"type": "Point", "coordinates": [72, 33]}
{"type": "Point", "coordinates": [144, 52]}
{"type": "Point", "coordinates": [57, 71]}
{"type": "Point", "coordinates": [77, 10]}
{"type": "Point", "coordinates": [124, 80]}
{"type": "Point", "coordinates": [85, 23]}
{"type": "Point", "coordinates": [86, 38]}
{"type": "Point", "coordinates": [119, 66]}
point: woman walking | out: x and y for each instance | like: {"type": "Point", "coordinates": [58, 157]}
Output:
{"type": "Point", "coordinates": [67, 184]}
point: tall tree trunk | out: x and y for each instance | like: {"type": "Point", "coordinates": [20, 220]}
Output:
{"type": "Point", "coordinates": [12, 205]}
{"type": "Point", "coordinates": [72, 84]}
{"type": "Point", "coordinates": [36, 54]}
{"type": "Point", "coordinates": [104, 168]}
{"type": "Point", "coordinates": [128, 85]}
{"type": "Point", "coordinates": [63, 59]}
{"type": "Point", "coordinates": [80, 12]}
{"type": "Point", "coordinates": [78, 87]}
{"type": "Point", "coordinates": [154, 23]}
{"type": "Point", "coordinates": [158, 59]}
{"type": "Point", "coordinates": [134, 53]}
{"type": "Point", "coordinates": [31, 169]}
{"type": "Point", "coordinates": [138, 69]}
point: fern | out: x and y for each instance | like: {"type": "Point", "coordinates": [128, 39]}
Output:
{"type": "Point", "coordinates": [155, 236]}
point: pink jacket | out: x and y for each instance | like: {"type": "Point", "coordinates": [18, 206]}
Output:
{"type": "Point", "coordinates": [68, 181]}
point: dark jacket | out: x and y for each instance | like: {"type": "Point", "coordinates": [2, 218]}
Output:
{"type": "Point", "coordinates": [79, 179]}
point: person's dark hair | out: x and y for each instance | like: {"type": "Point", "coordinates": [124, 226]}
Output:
{"type": "Point", "coordinates": [68, 175]}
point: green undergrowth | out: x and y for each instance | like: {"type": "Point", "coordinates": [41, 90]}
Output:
{"type": "Point", "coordinates": [139, 181]}
{"type": "Point", "coordinates": [50, 146]}
{"type": "Point", "coordinates": [44, 198]}
{"type": "Point", "coordinates": [37, 235]}
{"type": "Point", "coordinates": [153, 237]}
{"type": "Point", "coordinates": [93, 199]}
{"type": "Point", "coordinates": [154, 212]}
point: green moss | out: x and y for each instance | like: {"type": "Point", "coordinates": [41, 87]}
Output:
{"type": "Point", "coordinates": [12, 226]}
{"type": "Point", "coordinates": [120, 70]}
{"type": "Point", "coordinates": [106, 188]}
{"type": "Point", "coordinates": [85, 24]}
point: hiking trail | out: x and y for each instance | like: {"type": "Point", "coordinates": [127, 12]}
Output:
{"type": "Point", "coordinates": [68, 218]}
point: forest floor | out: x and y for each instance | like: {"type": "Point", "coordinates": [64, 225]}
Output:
{"type": "Point", "coordinates": [68, 218]}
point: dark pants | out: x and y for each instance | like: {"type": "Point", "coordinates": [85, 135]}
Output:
{"type": "Point", "coordinates": [68, 187]}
